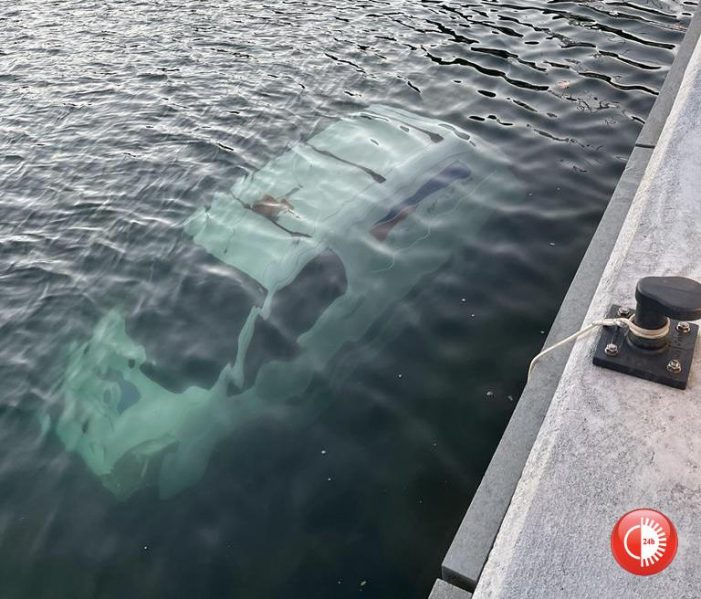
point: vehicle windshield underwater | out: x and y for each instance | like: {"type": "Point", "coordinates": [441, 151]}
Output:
{"type": "Point", "coordinates": [321, 242]}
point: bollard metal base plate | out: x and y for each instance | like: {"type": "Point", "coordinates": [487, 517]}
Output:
{"type": "Point", "coordinates": [648, 364]}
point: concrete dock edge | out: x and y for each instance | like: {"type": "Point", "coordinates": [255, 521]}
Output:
{"type": "Point", "coordinates": [475, 537]}
{"type": "Point", "coordinates": [443, 590]}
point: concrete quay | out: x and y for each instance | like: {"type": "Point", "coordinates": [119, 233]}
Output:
{"type": "Point", "coordinates": [585, 444]}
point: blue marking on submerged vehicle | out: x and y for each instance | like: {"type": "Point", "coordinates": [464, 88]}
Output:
{"type": "Point", "coordinates": [447, 176]}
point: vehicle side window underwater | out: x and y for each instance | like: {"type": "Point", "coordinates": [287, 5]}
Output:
{"type": "Point", "coordinates": [190, 325]}
{"type": "Point", "coordinates": [294, 310]}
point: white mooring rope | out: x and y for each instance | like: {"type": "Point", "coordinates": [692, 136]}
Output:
{"type": "Point", "coordinates": [606, 322]}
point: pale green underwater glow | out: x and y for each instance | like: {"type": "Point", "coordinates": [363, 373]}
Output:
{"type": "Point", "coordinates": [341, 191]}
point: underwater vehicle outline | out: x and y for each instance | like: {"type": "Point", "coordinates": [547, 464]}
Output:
{"type": "Point", "coordinates": [363, 193]}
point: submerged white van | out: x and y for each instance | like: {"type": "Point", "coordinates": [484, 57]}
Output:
{"type": "Point", "coordinates": [333, 233]}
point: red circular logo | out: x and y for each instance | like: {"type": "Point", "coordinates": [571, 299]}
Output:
{"type": "Point", "coordinates": [644, 542]}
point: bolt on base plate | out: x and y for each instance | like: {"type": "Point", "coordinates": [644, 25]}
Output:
{"type": "Point", "coordinates": [669, 365]}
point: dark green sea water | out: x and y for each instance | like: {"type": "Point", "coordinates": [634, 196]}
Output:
{"type": "Point", "coordinates": [119, 118]}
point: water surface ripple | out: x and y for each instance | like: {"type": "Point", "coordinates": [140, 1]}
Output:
{"type": "Point", "coordinates": [119, 118]}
